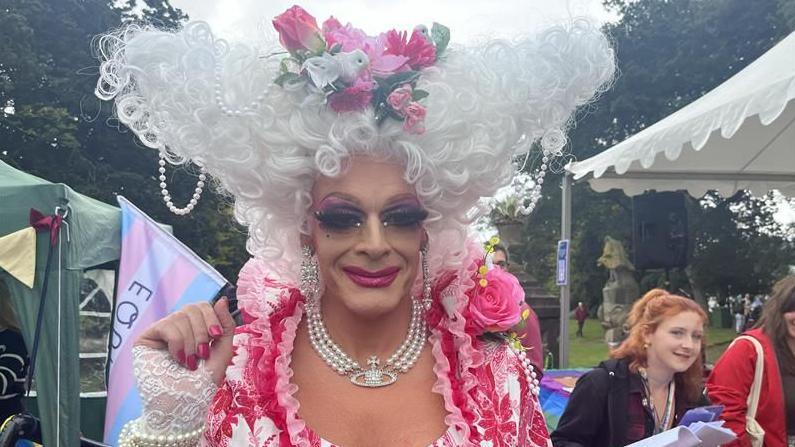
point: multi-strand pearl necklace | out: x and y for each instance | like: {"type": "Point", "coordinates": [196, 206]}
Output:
{"type": "Point", "coordinates": [375, 375]}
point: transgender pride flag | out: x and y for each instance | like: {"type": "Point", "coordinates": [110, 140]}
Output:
{"type": "Point", "coordinates": [157, 275]}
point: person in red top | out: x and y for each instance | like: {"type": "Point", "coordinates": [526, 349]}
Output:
{"type": "Point", "coordinates": [730, 381]}
{"type": "Point", "coordinates": [530, 337]}
{"type": "Point", "coordinates": [580, 314]}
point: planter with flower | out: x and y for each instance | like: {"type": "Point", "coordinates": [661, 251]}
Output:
{"type": "Point", "coordinates": [505, 216]}
{"type": "Point", "coordinates": [511, 205]}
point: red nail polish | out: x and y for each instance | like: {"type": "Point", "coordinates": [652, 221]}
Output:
{"type": "Point", "coordinates": [181, 356]}
{"type": "Point", "coordinates": [192, 362]}
{"type": "Point", "coordinates": [203, 351]}
{"type": "Point", "coordinates": [216, 331]}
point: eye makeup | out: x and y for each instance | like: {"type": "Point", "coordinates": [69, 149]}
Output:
{"type": "Point", "coordinates": [336, 215]}
{"type": "Point", "coordinates": [407, 214]}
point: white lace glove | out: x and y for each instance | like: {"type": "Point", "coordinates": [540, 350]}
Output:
{"type": "Point", "coordinates": [175, 399]}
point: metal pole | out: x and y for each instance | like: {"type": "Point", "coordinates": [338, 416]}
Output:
{"type": "Point", "coordinates": [565, 290]}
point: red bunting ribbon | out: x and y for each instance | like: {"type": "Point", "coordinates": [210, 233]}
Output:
{"type": "Point", "coordinates": [49, 223]}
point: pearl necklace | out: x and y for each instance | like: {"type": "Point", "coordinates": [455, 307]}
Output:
{"type": "Point", "coordinates": [197, 192]}
{"type": "Point", "coordinates": [375, 375]}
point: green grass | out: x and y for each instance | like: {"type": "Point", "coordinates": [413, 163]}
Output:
{"type": "Point", "coordinates": [589, 350]}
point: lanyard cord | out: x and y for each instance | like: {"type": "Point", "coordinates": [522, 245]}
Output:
{"type": "Point", "coordinates": [668, 413]}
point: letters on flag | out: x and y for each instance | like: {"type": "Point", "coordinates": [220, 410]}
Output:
{"type": "Point", "coordinates": [157, 275]}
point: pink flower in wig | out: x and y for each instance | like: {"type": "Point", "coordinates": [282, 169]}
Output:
{"type": "Point", "coordinates": [415, 118]}
{"type": "Point", "coordinates": [395, 41]}
{"type": "Point", "coordinates": [418, 49]}
{"type": "Point", "coordinates": [354, 98]}
{"type": "Point", "coordinates": [298, 31]}
{"type": "Point", "coordinates": [383, 64]}
{"type": "Point", "coordinates": [331, 24]}
{"type": "Point", "coordinates": [350, 38]}
{"type": "Point", "coordinates": [399, 98]}
{"type": "Point", "coordinates": [497, 306]}
{"type": "Point", "coordinates": [347, 36]}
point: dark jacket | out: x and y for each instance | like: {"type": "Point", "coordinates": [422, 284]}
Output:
{"type": "Point", "coordinates": [580, 314]}
{"type": "Point", "coordinates": [597, 412]}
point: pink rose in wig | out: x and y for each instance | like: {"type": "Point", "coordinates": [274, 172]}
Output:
{"type": "Point", "coordinates": [415, 118]}
{"type": "Point", "coordinates": [496, 307]}
{"type": "Point", "coordinates": [354, 98]}
{"type": "Point", "coordinates": [418, 49]}
{"type": "Point", "coordinates": [298, 31]}
{"type": "Point", "coordinates": [399, 98]}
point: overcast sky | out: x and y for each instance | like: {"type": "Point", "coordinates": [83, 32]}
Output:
{"type": "Point", "coordinates": [467, 19]}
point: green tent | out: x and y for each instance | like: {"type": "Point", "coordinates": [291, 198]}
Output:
{"type": "Point", "coordinates": [89, 237]}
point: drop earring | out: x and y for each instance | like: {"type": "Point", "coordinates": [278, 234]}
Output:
{"type": "Point", "coordinates": [426, 278]}
{"type": "Point", "coordinates": [309, 281]}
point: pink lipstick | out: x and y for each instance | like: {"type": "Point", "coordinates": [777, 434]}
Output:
{"type": "Point", "coordinates": [370, 279]}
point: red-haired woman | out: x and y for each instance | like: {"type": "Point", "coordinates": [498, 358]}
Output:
{"type": "Point", "coordinates": [730, 381]}
{"type": "Point", "coordinates": [652, 378]}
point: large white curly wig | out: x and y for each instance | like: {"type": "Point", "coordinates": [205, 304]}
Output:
{"type": "Point", "coordinates": [486, 104]}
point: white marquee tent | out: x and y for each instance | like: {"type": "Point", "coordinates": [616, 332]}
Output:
{"type": "Point", "coordinates": [740, 135]}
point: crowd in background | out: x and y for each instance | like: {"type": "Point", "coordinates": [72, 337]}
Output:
{"type": "Point", "coordinates": [744, 308]}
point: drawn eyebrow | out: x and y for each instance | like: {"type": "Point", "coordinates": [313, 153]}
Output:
{"type": "Point", "coordinates": [342, 196]}
{"type": "Point", "coordinates": [393, 202]}
{"type": "Point", "coordinates": [411, 206]}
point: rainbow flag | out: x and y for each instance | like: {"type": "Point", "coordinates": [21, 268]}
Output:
{"type": "Point", "coordinates": [556, 387]}
{"type": "Point", "coordinates": [157, 275]}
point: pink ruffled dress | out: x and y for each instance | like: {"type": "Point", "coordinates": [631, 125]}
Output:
{"type": "Point", "coordinates": [489, 390]}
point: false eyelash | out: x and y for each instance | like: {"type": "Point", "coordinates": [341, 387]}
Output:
{"type": "Point", "coordinates": [338, 219]}
{"type": "Point", "coordinates": [404, 217]}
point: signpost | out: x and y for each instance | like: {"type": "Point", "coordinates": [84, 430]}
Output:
{"type": "Point", "coordinates": [562, 276]}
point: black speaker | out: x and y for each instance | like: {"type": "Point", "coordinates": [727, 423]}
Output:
{"type": "Point", "coordinates": [659, 231]}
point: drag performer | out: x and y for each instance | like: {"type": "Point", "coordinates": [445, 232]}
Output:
{"type": "Point", "coordinates": [357, 163]}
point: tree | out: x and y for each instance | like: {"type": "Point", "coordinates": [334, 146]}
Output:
{"type": "Point", "coordinates": [669, 52]}
{"type": "Point", "coordinates": [52, 125]}
{"type": "Point", "coordinates": [738, 246]}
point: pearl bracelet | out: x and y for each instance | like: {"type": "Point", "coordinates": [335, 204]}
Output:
{"type": "Point", "coordinates": [133, 436]}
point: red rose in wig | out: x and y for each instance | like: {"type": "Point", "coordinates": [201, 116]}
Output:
{"type": "Point", "coordinates": [298, 31]}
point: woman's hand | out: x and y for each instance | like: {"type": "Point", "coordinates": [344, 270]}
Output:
{"type": "Point", "coordinates": [197, 331]}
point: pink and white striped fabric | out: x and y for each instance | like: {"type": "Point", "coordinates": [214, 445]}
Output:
{"type": "Point", "coordinates": [157, 275]}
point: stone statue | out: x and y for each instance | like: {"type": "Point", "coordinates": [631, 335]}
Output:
{"type": "Point", "coordinates": [619, 292]}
